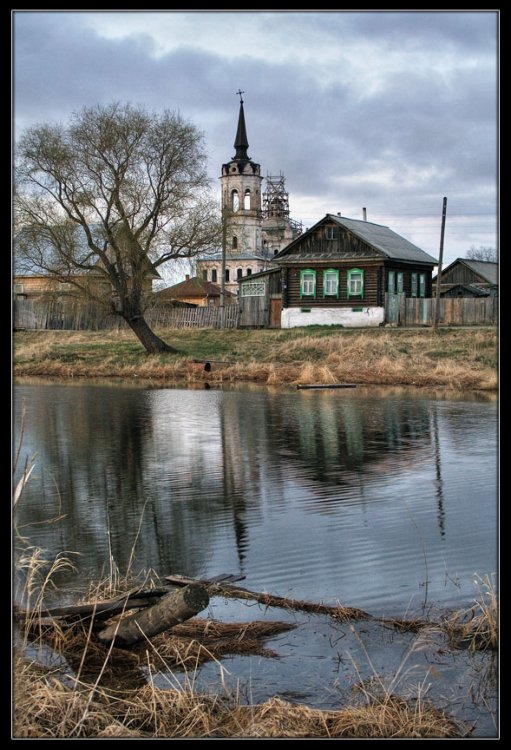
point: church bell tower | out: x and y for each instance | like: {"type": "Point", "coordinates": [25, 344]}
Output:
{"type": "Point", "coordinates": [241, 196]}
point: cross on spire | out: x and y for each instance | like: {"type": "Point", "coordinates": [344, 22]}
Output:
{"type": "Point", "coordinates": [239, 92]}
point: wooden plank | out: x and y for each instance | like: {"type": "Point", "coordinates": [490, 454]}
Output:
{"type": "Point", "coordinates": [179, 580]}
{"type": "Point", "coordinates": [326, 385]}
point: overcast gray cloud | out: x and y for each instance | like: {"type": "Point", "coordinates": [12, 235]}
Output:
{"type": "Point", "coordinates": [384, 110]}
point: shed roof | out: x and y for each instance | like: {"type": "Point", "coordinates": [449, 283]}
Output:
{"type": "Point", "coordinates": [194, 287]}
{"type": "Point", "coordinates": [484, 268]}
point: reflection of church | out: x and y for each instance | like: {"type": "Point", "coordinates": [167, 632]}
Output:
{"type": "Point", "coordinates": [257, 225]}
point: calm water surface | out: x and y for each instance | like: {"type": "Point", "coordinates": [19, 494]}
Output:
{"type": "Point", "coordinates": [382, 499]}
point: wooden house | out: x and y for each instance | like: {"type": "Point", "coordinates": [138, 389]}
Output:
{"type": "Point", "coordinates": [196, 291]}
{"type": "Point", "coordinates": [338, 271]}
{"type": "Point", "coordinates": [469, 278]}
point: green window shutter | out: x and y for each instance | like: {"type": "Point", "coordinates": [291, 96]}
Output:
{"type": "Point", "coordinates": [391, 284]}
{"type": "Point", "coordinates": [331, 283]}
{"type": "Point", "coordinates": [355, 284]}
{"type": "Point", "coordinates": [400, 285]}
{"type": "Point", "coordinates": [422, 285]}
{"type": "Point", "coordinates": [414, 285]}
{"type": "Point", "coordinates": [307, 283]}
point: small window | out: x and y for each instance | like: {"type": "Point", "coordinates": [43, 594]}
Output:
{"type": "Point", "coordinates": [253, 289]}
{"type": "Point", "coordinates": [330, 283]}
{"type": "Point", "coordinates": [355, 283]}
{"type": "Point", "coordinates": [213, 275]}
{"type": "Point", "coordinates": [249, 272]}
{"type": "Point", "coordinates": [239, 273]}
{"type": "Point", "coordinates": [234, 243]}
{"type": "Point", "coordinates": [391, 282]}
{"type": "Point", "coordinates": [329, 233]}
{"type": "Point", "coordinates": [235, 200]}
{"type": "Point", "coordinates": [414, 285]}
{"type": "Point", "coordinates": [400, 282]}
{"type": "Point", "coordinates": [307, 283]}
{"type": "Point", "coordinates": [205, 275]}
{"type": "Point", "coordinates": [227, 274]}
{"type": "Point", "coordinates": [422, 285]}
{"type": "Point", "coordinates": [246, 200]}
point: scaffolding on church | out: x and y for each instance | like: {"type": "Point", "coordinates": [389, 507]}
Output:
{"type": "Point", "coordinates": [276, 203]}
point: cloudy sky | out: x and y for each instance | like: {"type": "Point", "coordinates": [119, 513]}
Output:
{"type": "Point", "coordinates": [390, 111]}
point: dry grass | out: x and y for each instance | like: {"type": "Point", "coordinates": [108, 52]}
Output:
{"type": "Point", "coordinates": [45, 707]}
{"type": "Point", "coordinates": [458, 359]}
{"type": "Point", "coordinates": [477, 628]}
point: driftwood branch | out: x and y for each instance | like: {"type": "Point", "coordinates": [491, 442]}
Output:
{"type": "Point", "coordinates": [99, 610]}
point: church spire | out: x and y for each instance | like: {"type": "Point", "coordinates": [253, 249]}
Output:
{"type": "Point", "coordinates": [241, 142]}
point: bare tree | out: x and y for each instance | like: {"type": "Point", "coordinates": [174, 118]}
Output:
{"type": "Point", "coordinates": [482, 253]}
{"type": "Point", "coordinates": [115, 193]}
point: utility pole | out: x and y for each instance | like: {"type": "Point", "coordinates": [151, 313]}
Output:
{"type": "Point", "coordinates": [222, 272]}
{"type": "Point", "coordinates": [440, 256]}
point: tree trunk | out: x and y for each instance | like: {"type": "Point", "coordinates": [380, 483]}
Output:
{"type": "Point", "coordinates": [172, 608]}
{"type": "Point", "coordinates": [152, 343]}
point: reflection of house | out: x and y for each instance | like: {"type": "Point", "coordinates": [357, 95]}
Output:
{"type": "Point", "coordinates": [257, 225]}
{"type": "Point", "coordinates": [197, 292]}
{"type": "Point", "coordinates": [338, 271]}
{"type": "Point", "coordinates": [469, 278]}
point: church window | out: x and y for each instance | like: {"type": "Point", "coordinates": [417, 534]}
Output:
{"type": "Point", "coordinates": [227, 274]}
{"type": "Point", "coordinates": [249, 272]}
{"type": "Point", "coordinates": [239, 273]}
{"type": "Point", "coordinates": [246, 201]}
{"type": "Point", "coordinates": [234, 243]}
{"type": "Point", "coordinates": [213, 275]}
{"type": "Point", "coordinates": [235, 200]}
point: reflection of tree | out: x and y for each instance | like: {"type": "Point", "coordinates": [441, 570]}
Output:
{"type": "Point", "coordinates": [189, 474]}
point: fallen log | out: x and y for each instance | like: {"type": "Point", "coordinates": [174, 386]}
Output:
{"type": "Point", "coordinates": [172, 608]}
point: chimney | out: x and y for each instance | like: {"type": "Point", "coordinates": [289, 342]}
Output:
{"type": "Point", "coordinates": [187, 277]}
{"type": "Point", "coordinates": [338, 213]}
{"type": "Point", "coordinates": [364, 214]}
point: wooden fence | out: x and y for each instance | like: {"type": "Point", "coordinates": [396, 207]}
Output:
{"type": "Point", "coordinates": [454, 311]}
{"type": "Point", "coordinates": [73, 315]}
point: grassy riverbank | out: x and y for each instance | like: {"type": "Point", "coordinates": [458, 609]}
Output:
{"type": "Point", "coordinates": [92, 690]}
{"type": "Point", "coordinates": [458, 358]}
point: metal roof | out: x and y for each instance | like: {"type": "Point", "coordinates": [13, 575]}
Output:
{"type": "Point", "coordinates": [377, 236]}
{"type": "Point", "coordinates": [232, 257]}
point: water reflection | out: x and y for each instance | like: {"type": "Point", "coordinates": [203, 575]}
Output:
{"type": "Point", "coordinates": [324, 494]}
